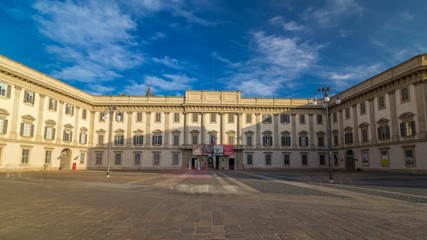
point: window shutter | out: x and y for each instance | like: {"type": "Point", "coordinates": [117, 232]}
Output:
{"type": "Point", "coordinates": [45, 132]}
{"type": "Point", "coordinates": [34, 97]}
{"type": "Point", "coordinates": [299, 141]}
{"type": "Point", "coordinates": [8, 91]}
{"type": "Point", "coordinates": [85, 138]}
{"type": "Point", "coordinates": [71, 136]}
{"type": "Point", "coordinates": [402, 129]}
{"type": "Point", "coordinates": [4, 126]}
{"type": "Point", "coordinates": [25, 96]}
{"type": "Point", "coordinates": [80, 138]}
{"type": "Point", "coordinates": [153, 140]}
{"type": "Point", "coordinates": [32, 130]}
{"type": "Point", "coordinates": [413, 128]}
{"type": "Point", "coordinates": [53, 133]}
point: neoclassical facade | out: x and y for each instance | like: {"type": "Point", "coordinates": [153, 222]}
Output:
{"type": "Point", "coordinates": [48, 124]}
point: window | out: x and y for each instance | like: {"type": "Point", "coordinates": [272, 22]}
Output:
{"type": "Point", "coordinates": [195, 117]}
{"type": "Point", "coordinates": [53, 104]}
{"type": "Point", "coordinates": [119, 139]}
{"type": "Point", "coordinates": [286, 140]}
{"type": "Point", "coordinates": [381, 102]}
{"type": "Point", "coordinates": [84, 114]}
{"type": "Point", "coordinates": [176, 117]}
{"type": "Point", "coordinates": [248, 118]}
{"type": "Point", "coordinates": [336, 141]}
{"type": "Point", "coordinates": [48, 157]}
{"type": "Point", "coordinates": [118, 159]}
{"type": "Point", "coordinates": [407, 129]}
{"type": "Point", "coordinates": [231, 139]}
{"type": "Point", "coordinates": [156, 158]}
{"type": "Point", "coordinates": [321, 140]}
{"type": "Point", "coordinates": [319, 119]}
{"type": "Point", "coordinates": [67, 135]}
{"type": "Point", "coordinates": [268, 159]}
{"type": "Point", "coordinates": [321, 159]}
{"type": "Point", "coordinates": [230, 118]}
{"type": "Point", "coordinates": [362, 108]}
{"type": "Point", "coordinates": [409, 156]}
{"type": "Point", "coordinates": [383, 132]}
{"type": "Point", "coordinates": [266, 118]}
{"type": "Point", "coordinates": [284, 118]}
{"type": "Point", "coordinates": [102, 116]}
{"type": "Point", "coordinates": [175, 158]}
{"type": "Point", "coordinates": [138, 140]}
{"type": "Point", "coordinates": [302, 119]}
{"type": "Point", "coordinates": [249, 160]}
{"type": "Point", "coordinates": [69, 109]}
{"type": "Point", "coordinates": [175, 140]}
{"type": "Point", "coordinates": [101, 139]}
{"type": "Point", "coordinates": [82, 157]}
{"type": "Point", "coordinates": [3, 126]}
{"type": "Point", "coordinates": [158, 117]}
{"type": "Point", "coordinates": [286, 159]}
{"type": "Point", "coordinates": [303, 139]}
{"type": "Point", "coordinates": [404, 94]}
{"type": "Point", "coordinates": [347, 113]}
{"type": "Point", "coordinates": [157, 140]}
{"type": "Point", "coordinates": [29, 97]}
{"type": "Point", "coordinates": [334, 117]}
{"type": "Point", "coordinates": [348, 138]}
{"type": "Point", "coordinates": [267, 139]}
{"type": "Point", "coordinates": [49, 132]}
{"type": "Point", "coordinates": [213, 117]}
{"type": "Point", "coordinates": [83, 138]}
{"type": "Point", "coordinates": [27, 130]}
{"type": "Point", "coordinates": [25, 156]}
{"type": "Point", "coordinates": [249, 140]}
{"type": "Point", "coordinates": [139, 117]}
{"type": "Point", "coordinates": [98, 159]}
{"type": "Point", "coordinates": [137, 158]}
{"type": "Point", "coordinates": [304, 159]}
{"type": "Point", "coordinates": [4, 90]}
{"type": "Point", "coordinates": [119, 117]}
{"type": "Point", "coordinates": [194, 139]}
{"type": "Point", "coordinates": [365, 137]}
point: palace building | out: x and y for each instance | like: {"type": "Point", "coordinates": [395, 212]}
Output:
{"type": "Point", "coordinates": [48, 124]}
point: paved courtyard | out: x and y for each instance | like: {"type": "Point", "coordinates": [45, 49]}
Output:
{"type": "Point", "coordinates": [212, 205]}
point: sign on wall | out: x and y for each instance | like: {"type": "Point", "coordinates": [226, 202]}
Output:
{"type": "Point", "coordinates": [197, 150]}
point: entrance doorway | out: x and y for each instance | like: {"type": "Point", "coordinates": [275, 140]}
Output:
{"type": "Point", "coordinates": [65, 159]}
{"type": "Point", "coordinates": [193, 163]}
{"type": "Point", "coordinates": [216, 162]}
{"type": "Point", "coordinates": [231, 163]}
{"type": "Point", "coordinates": [350, 162]}
{"type": "Point", "coordinates": [210, 163]}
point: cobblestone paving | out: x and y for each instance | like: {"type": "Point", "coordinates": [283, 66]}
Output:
{"type": "Point", "coordinates": [147, 205]}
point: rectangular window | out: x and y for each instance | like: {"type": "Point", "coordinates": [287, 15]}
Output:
{"type": "Point", "coordinates": [82, 157]}
{"type": "Point", "coordinates": [118, 159]}
{"type": "Point", "coordinates": [195, 139]}
{"type": "Point", "coordinates": [158, 117]}
{"type": "Point", "coordinates": [334, 117]}
{"type": "Point", "coordinates": [175, 140]}
{"type": "Point", "coordinates": [101, 139]}
{"type": "Point", "coordinates": [3, 126]}
{"type": "Point", "coordinates": [84, 114]}
{"type": "Point", "coordinates": [29, 97]}
{"type": "Point", "coordinates": [249, 160]}
{"type": "Point", "coordinates": [365, 137]}
{"type": "Point", "coordinates": [53, 103]}
{"type": "Point", "coordinates": [137, 159]}
{"type": "Point", "coordinates": [231, 140]}
{"type": "Point", "coordinates": [156, 159]}
{"type": "Point", "coordinates": [157, 140]}
{"type": "Point", "coordinates": [321, 141]}
{"type": "Point", "coordinates": [407, 129]}
{"type": "Point", "coordinates": [102, 117]}
{"type": "Point", "coordinates": [384, 133]}
{"type": "Point", "coordinates": [409, 157]}
{"type": "Point", "coordinates": [175, 159]}
{"type": "Point", "coordinates": [213, 117]}
{"type": "Point", "coordinates": [267, 141]}
{"type": "Point", "coordinates": [119, 139]}
{"type": "Point", "coordinates": [4, 89]}
{"type": "Point", "coordinates": [25, 156]}
{"type": "Point", "coordinates": [67, 136]}
{"type": "Point", "coordinates": [304, 159]}
{"type": "Point", "coordinates": [321, 159]}
{"type": "Point", "coordinates": [268, 159]}
{"type": "Point", "coordinates": [48, 157]}
{"type": "Point", "coordinates": [83, 138]}
{"type": "Point", "coordinates": [119, 117]}
{"type": "Point", "coordinates": [336, 142]}
{"type": "Point", "coordinates": [381, 102]}
{"type": "Point", "coordinates": [266, 118]}
{"type": "Point", "coordinates": [404, 94]}
{"type": "Point", "coordinates": [348, 138]}
{"type": "Point", "coordinates": [303, 141]}
{"type": "Point", "coordinates": [195, 117]}
{"type": "Point", "coordinates": [286, 141]}
{"type": "Point", "coordinates": [27, 129]}
{"type": "Point", "coordinates": [362, 108]}
{"type": "Point", "coordinates": [248, 118]}
{"type": "Point", "coordinates": [69, 109]}
{"type": "Point", "coordinates": [319, 119]}
{"type": "Point", "coordinates": [98, 159]}
{"type": "Point", "coordinates": [230, 118]}
{"type": "Point", "coordinates": [347, 113]}
{"type": "Point", "coordinates": [284, 118]}
{"type": "Point", "coordinates": [139, 117]}
{"type": "Point", "coordinates": [138, 140]}
{"type": "Point", "coordinates": [176, 117]}
{"type": "Point", "coordinates": [302, 119]}
{"type": "Point", "coordinates": [286, 159]}
{"type": "Point", "coordinates": [249, 140]}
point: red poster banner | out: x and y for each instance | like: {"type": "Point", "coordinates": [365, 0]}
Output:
{"type": "Point", "coordinates": [228, 150]}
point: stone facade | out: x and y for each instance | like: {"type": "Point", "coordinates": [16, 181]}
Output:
{"type": "Point", "coordinates": [48, 124]}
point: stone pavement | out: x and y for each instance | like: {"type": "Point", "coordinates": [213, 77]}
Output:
{"type": "Point", "coordinates": [195, 205]}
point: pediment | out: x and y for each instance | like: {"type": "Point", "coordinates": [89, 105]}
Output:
{"type": "Point", "coordinates": [383, 121]}
{"type": "Point", "coordinates": [285, 133]}
{"type": "Point", "coordinates": [68, 125]}
{"type": "Point", "coordinates": [406, 115]}
{"type": "Point", "coordinates": [119, 131]}
{"type": "Point", "coordinates": [50, 122]}
{"type": "Point", "coordinates": [4, 112]}
{"type": "Point", "coordinates": [83, 129]}
{"type": "Point", "coordinates": [100, 131]}
{"type": "Point", "coordinates": [364, 125]}
{"type": "Point", "coordinates": [138, 131]}
{"type": "Point", "coordinates": [28, 117]}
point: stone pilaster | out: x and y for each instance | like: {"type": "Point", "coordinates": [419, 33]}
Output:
{"type": "Point", "coordinates": [393, 116]}
{"type": "Point", "coordinates": [421, 134]}
{"type": "Point", "coordinates": [372, 123]}
{"type": "Point", "coordinates": [60, 115]}
{"type": "Point", "coordinates": [258, 129]}
{"type": "Point", "coordinates": [129, 130]}
{"type": "Point", "coordinates": [203, 128]}
{"type": "Point", "coordinates": [148, 129]}
{"type": "Point", "coordinates": [166, 142]}
{"type": "Point", "coordinates": [185, 128]}
{"type": "Point", "coordinates": [294, 130]}
{"type": "Point", "coordinates": [311, 131]}
{"type": "Point", "coordinates": [341, 133]}
{"type": "Point", "coordinates": [76, 134]}
{"type": "Point", "coordinates": [15, 112]}
{"type": "Point", "coordinates": [92, 128]}
{"type": "Point", "coordinates": [239, 128]}
{"type": "Point", "coordinates": [39, 131]}
{"type": "Point", "coordinates": [355, 126]}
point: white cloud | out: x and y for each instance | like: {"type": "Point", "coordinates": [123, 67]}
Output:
{"type": "Point", "coordinates": [95, 38]}
{"type": "Point", "coordinates": [352, 75]}
{"type": "Point", "coordinates": [100, 90]}
{"type": "Point", "coordinates": [333, 12]}
{"type": "Point", "coordinates": [288, 26]}
{"type": "Point", "coordinates": [172, 83]}
{"type": "Point", "coordinates": [167, 61]}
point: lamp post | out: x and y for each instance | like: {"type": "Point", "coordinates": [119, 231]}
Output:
{"type": "Point", "coordinates": [109, 115]}
{"type": "Point", "coordinates": [326, 99]}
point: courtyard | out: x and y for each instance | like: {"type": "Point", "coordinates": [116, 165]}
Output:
{"type": "Point", "coordinates": [212, 205]}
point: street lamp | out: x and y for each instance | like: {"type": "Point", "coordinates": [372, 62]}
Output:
{"type": "Point", "coordinates": [326, 101]}
{"type": "Point", "coordinates": [110, 114]}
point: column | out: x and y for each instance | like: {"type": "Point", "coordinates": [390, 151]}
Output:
{"type": "Point", "coordinates": [239, 128]}
{"type": "Point", "coordinates": [60, 114]}
{"type": "Point", "coordinates": [185, 129]}
{"type": "Point", "coordinates": [294, 130]}
{"type": "Point", "coordinates": [341, 133]}
{"type": "Point", "coordinates": [166, 142]}
{"type": "Point", "coordinates": [276, 130]}
{"type": "Point", "coordinates": [221, 128]}
{"type": "Point", "coordinates": [76, 127]}
{"type": "Point", "coordinates": [420, 110]}
{"type": "Point", "coordinates": [203, 128]}
{"type": "Point", "coordinates": [258, 130]}
{"type": "Point", "coordinates": [148, 129]}
{"type": "Point", "coordinates": [39, 131]}
{"type": "Point", "coordinates": [311, 131]}
{"type": "Point", "coordinates": [356, 126]}
{"type": "Point", "coordinates": [372, 123]}
{"type": "Point", "coordinates": [92, 127]}
{"type": "Point", "coordinates": [15, 121]}
{"type": "Point", "coordinates": [129, 130]}
{"type": "Point", "coordinates": [393, 116]}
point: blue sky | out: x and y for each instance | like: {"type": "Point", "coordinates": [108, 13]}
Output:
{"type": "Point", "coordinates": [264, 48]}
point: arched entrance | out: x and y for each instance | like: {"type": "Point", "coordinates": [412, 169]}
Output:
{"type": "Point", "coordinates": [350, 162]}
{"type": "Point", "coordinates": [65, 159]}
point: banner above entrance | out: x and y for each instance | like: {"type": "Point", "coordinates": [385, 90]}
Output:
{"type": "Point", "coordinates": [217, 150]}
